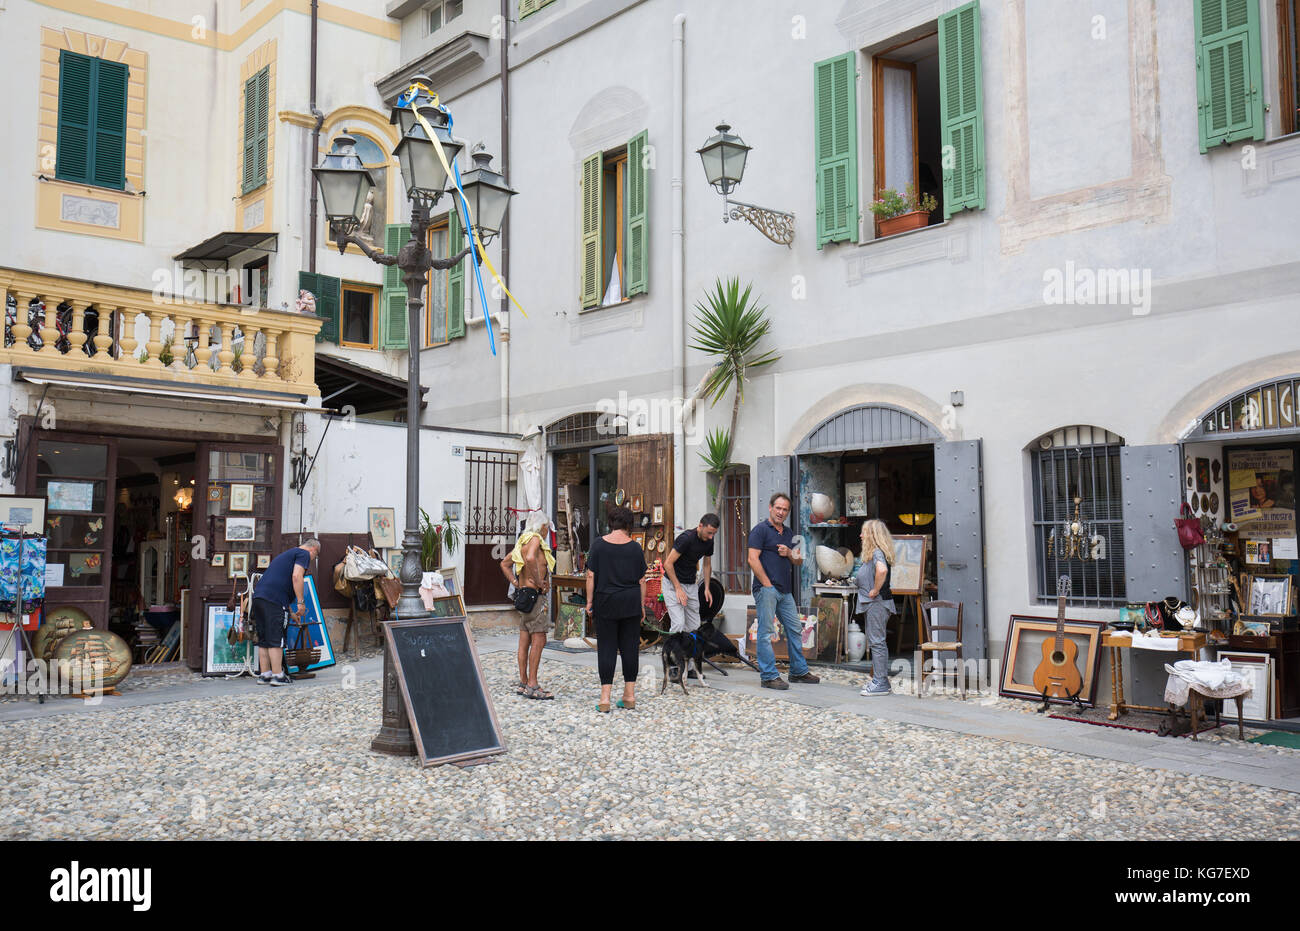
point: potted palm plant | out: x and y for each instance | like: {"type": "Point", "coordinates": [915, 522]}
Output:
{"type": "Point", "coordinates": [898, 213]}
{"type": "Point", "coordinates": [433, 537]}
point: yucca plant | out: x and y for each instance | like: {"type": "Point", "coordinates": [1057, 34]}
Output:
{"type": "Point", "coordinates": [717, 459]}
{"type": "Point", "coordinates": [729, 328]}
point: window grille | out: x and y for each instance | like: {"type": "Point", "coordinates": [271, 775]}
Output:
{"type": "Point", "coordinates": [586, 429]}
{"type": "Point", "coordinates": [1084, 462]}
{"type": "Point", "coordinates": [734, 532]}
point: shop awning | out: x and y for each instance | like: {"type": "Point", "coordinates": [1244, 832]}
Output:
{"type": "Point", "coordinates": [220, 248]}
{"type": "Point", "coordinates": [343, 383]}
{"type": "Point", "coordinates": [130, 385]}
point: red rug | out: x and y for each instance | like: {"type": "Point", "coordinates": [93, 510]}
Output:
{"type": "Point", "coordinates": [1143, 721]}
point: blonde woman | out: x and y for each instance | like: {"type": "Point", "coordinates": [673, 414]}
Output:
{"type": "Point", "coordinates": [876, 601]}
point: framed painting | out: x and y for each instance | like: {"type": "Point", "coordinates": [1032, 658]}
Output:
{"type": "Point", "coordinates": [263, 560]}
{"type": "Point", "coordinates": [24, 513]}
{"type": "Point", "coordinates": [448, 606]}
{"type": "Point", "coordinates": [855, 498]}
{"type": "Point", "coordinates": [395, 561]}
{"type": "Point", "coordinates": [638, 537]}
{"type": "Point", "coordinates": [240, 529]}
{"type": "Point", "coordinates": [241, 497]}
{"type": "Point", "coordinates": [71, 496]}
{"type": "Point", "coordinates": [658, 517]}
{"type": "Point", "coordinates": [636, 504]}
{"type": "Point", "coordinates": [1024, 652]}
{"type": "Point", "coordinates": [215, 492]}
{"type": "Point", "coordinates": [830, 623]}
{"type": "Point", "coordinates": [382, 523]}
{"type": "Point", "coordinates": [312, 633]}
{"type": "Point", "coordinates": [1270, 595]}
{"type": "Point", "coordinates": [1258, 670]}
{"type": "Point", "coordinates": [218, 560]}
{"type": "Point", "coordinates": [220, 656]}
{"type": "Point", "coordinates": [570, 621]}
{"type": "Point", "coordinates": [237, 566]}
{"type": "Point", "coordinates": [907, 575]}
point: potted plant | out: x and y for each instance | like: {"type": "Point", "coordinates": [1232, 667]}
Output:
{"type": "Point", "coordinates": [898, 213]}
{"type": "Point", "coordinates": [433, 537]}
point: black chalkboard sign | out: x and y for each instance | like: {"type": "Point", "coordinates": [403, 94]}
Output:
{"type": "Point", "coordinates": [446, 696]}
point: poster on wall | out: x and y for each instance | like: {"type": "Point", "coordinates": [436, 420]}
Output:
{"type": "Point", "coordinates": [1261, 492]}
{"type": "Point", "coordinates": [71, 496]}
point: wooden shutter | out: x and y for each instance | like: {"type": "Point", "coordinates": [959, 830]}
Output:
{"type": "Point", "coordinates": [1229, 73]}
{"type": "Point", "coordinates": [961, 110]}
{"type": "Point", "coordinates": [327, 303]}
{"type": "Point", "coordinates": [455, 279]}
{"type": "Point", "coordinates": [589, 245]}
{"type": "Point", "coordinates": [109, 166]}
{"type": "Point", "coordinates": [250, 135]}
{"type": "Point", "coordinates": [262, 138]}
{"type": "Point", "coordinates": [72, 153]}
{"type": "Point", "coordinates": [526, 7]}
{"type": "Point", "coordinates": [636, 252]}
{"type": "Point", "coordinates": [835, 132]}
{"type": "Point", "coordinates": [392, 310]}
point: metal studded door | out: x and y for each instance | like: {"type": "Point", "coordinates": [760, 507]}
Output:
{"type": "Point", "coordinates": [1155, 563]}
{"type": "Point", "coordinates": [959, 536]}
{"type": "Point", "coordinates": [491, 477]}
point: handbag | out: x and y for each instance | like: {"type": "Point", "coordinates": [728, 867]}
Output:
{"type": "Point", "coordinates": [391, 589]}
{"type": "Point", "coordinates": [360, 566]}
{"type": "Point", "coordinates": [342, 584]}
{"type": "Point", "coordinates": [1189, 528]}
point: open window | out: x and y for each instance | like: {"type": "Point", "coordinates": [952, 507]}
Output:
{"type": "Point", "coordinates": [905, 96]}
{"type": "Point", "coordinates": [1288, 57]}
{"type": "Point", "coordinates": [358, 328]}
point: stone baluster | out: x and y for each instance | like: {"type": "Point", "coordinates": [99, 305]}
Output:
{"type": "Point", "coordinates": [49, 332]}
{"type": "Point", "coordinates": [204, 351]}
{"type": "Point", "coordinates": [77, 334]}
{"type": "Point", "coordinates": [226, 355]}
{"type": "Point", "coordinates": [271, 361]}
{"type": "Point", "coordinates": [102, 341]}
{"type": "Point", "coordinates": [182, 326]}
{"type": "Point", "coordinates": [154, 346]}
{"type": "Point", "coordinates": [127, 341]}
{"type": "Point", "coordinates": [21, 328]}
{"type": "Point", "coordinates": [249, 356]}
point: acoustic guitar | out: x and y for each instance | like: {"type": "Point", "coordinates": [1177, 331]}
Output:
{"type": "Point", "coordinates": [1057, 676]}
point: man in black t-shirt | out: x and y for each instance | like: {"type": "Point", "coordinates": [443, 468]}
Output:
{"type": "Point", "coordinates": [681, 596]}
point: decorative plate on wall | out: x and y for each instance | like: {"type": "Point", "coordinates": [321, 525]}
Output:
{"type": "Point", "coordinates": [1205, 502]}
{"type": "Point", "coordinates": [1214, 502]}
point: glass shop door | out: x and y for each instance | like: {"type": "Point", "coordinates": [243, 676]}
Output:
{"type": "Point", "coordinates": [604, 488]}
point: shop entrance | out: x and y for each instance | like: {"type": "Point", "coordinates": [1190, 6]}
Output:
{"type": "Point", "coordinates": [883, 462]}
{"type": "Point", "coordinates": [144, 532]}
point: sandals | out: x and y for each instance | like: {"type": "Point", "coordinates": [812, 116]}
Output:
{"type": "Point", "coordinates": [629, 705]}
{"type": "Point", "coordinates": [603, 707]}
{"type": "Point", "coordinates": [521, 688]}
{"type": "Point", "coordinates": [537, 692]}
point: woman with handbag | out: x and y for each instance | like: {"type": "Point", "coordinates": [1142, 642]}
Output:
{"type": "Point", "coordinates": [616, 571]}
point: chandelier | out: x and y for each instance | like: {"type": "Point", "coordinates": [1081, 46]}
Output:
{"type": "Point", "coordinates": [1076, 538]}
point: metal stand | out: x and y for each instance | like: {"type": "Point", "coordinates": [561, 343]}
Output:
{"type": "Point", "coordinates": [24, 646]}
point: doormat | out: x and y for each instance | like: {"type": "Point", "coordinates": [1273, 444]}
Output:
{"type": "Point", "coordinates": [1278, 739]}
{"type": "Point", "coordinates": [1147, 722]}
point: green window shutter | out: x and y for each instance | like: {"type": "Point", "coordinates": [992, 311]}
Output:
{"type": "Point", "coordinates": [455, 279]}
{"type": "Point", "coordinates": [72, 152]}
{"type": "Point", "coordinates": [835, 132]}
{"type": "Point", "coordinates": [961, 109]}
{"type": "Point", "coordinates": [392, 311]}
{"type": "Point", "coordinates": [589, 246]}
{"type": "Point", "coordinates": [262, 140]}
{"type": "Point", "coordinates": [1229, 72]}
{"type": "Point", "coordinates": [250, 135]}
{"type": "Point", "coordinates": [393, 329]}
{"type": "Point", "coordinates": [327, 308]}
{"type": "Point", "coordinates": [526, 7]}
{"type": "Point", "coordinates": [636, 250]}
{"type": "Point", "coordinates": [110, 124]}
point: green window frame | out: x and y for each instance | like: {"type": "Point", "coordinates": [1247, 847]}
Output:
{"type": "Point", "coordinates": [628, 229]}
{"type": "Point", "coordinates": [1229, 72]}
{"type": "Point", "coordinates": [961, 110]}
{"type": "Point", "coordinates": [326, 290]}
{"type": "Point", "coordinates": [256, 129]}
{"type": "Point", "coordinates": [91, 141]}
{"type": "Point", "coordinates": [835, 147]}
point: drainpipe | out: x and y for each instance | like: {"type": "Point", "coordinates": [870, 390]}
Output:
{"type": "Point", "coordinates": [505, 224]}
{"type": "Point", "coordinates": [679, 268]}
{"type": "Point", "coordinates": [315, 147]}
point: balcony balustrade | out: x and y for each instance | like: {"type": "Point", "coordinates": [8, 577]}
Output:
{"type": "Point", "coordinates": [78, 326]}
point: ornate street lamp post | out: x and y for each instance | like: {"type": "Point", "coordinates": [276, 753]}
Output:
{"type": "Point", "coordinates": [724, 155]}
{"type": "Point", "coordinates": [344, 184]}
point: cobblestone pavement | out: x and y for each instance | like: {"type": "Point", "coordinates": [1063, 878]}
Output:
{"type": "Point", "coordinates": [295, 763]}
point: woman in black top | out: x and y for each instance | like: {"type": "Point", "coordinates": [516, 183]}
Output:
{"type": "Point", "coordinates": [615, 595]}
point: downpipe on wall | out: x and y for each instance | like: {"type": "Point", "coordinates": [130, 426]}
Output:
{"type": "Point", "coordinates": [679, 268]}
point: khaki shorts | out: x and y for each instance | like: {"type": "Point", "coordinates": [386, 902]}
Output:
{"type": "Point", "coordinates": [538, 620]}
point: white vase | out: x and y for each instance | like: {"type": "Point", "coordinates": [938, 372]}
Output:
{"type": "Point", "coordinates": [857, 643]}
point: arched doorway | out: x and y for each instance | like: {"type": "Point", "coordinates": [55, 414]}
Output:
{"type": "Point", "coordinates": [880, 460]}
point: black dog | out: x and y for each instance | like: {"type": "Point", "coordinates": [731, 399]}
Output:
{"type": "Point", "coordinates": [700, 646]}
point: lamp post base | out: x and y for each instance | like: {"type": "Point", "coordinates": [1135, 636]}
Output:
{"type": "Point", "coordinates": [394, 737]}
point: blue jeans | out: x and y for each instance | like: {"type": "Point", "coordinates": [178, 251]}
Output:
{"type": "Point", "coordinates": [771, 604]}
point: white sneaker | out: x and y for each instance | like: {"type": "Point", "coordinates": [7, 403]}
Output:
{"type": "Point", "coordinates": [281, 679]}
{"type": "Point", "coordinates": [874, 689]}
{"type": "Point", "coordinates": [263, 678]}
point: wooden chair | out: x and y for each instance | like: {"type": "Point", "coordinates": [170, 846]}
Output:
{"type": "Point", "coordinates": [932, 644]}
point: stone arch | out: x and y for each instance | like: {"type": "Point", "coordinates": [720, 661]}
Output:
{"type": "Point", "coordinates": [930, 415]}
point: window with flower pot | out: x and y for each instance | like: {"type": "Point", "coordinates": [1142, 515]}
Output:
{"type": "Point", "coordinates": [926, 116]}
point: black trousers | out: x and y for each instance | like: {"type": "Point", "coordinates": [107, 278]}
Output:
{"type": "Point", "coordinates": [618, 637]}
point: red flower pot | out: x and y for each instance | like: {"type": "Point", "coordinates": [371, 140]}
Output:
{"type": "Point", "coordinates": [903, 222]}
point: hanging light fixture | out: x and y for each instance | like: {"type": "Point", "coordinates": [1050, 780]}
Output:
{"type": "Point", "coordinates": [1074, 538]}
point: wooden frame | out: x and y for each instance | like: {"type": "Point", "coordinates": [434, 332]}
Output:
{"type": "Point", "coordinates": [901, 574]}
{"type": "Point", "coordinates": [1087, 634]}
{"type": "Point", "coordinates": [1259, 595]}
{"type": "Point", "coordinates": [1288, 20]}
{"type": "Point", "coordinates": [391, 644]}
{"type": "Point", "coordinates": [635, 506]}
{"type": "Point", "coordinates": [375, 293]}
{"type": "Point", "coordinates": [878, 66]}
{"type": "Point", "coordinates": [388, 541]}
{"type": "Point", "coordinates": [1258, 666]}
{"type": "Point", "coordinates": [37, 505]}
{"type": "Point", "coordinates": [217, 622]}
{"type": "Point", "coordinates": [241, 497]}
{"type": "Point", "coordinates": [615, 164]}
{"type": "Point", "coordinates": [638, 537]}
{"type": "Point", "coordinates": [440, 226]}
{"type": "Point", "coordinates": [237, 566]}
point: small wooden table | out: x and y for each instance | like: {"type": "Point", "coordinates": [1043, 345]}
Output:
{"type": "Point", "coordinates": [1188, 642]}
